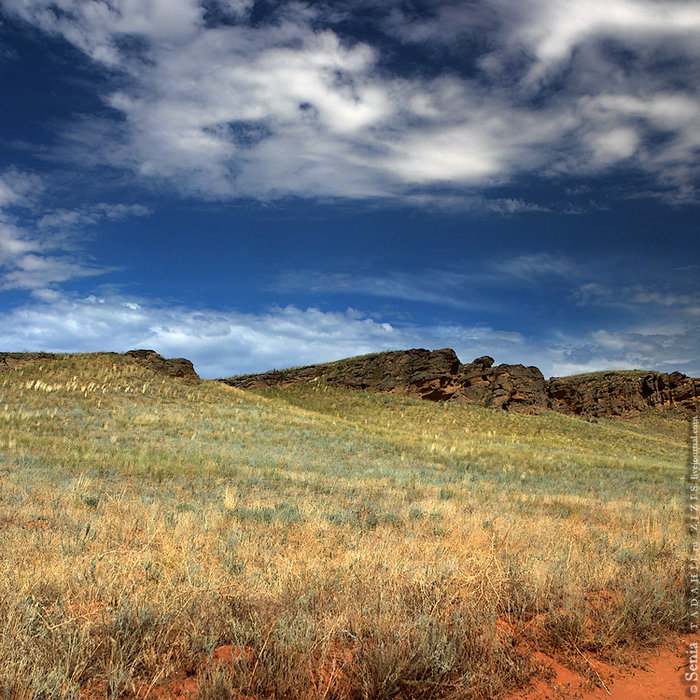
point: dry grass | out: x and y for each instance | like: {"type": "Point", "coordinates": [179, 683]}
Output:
{"type": "Point", "coordinates": [344, 545]}
{"type": "Point", "coordinates": [629, 373]}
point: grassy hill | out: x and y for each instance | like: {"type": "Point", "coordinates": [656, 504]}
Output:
{"type": "Point", "coordinates": [313, 542]}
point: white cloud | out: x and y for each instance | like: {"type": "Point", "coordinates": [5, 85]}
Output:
{"type": "Point", "coordinates": [533, 267]}
{"type": "Point", "coordinates": [614, 146]}
{"type": "Point", "coordinates": [96, 27]}
{"type": "Point", "coordinates": [67, 219]}
{"type": "Point", "coordinates": [288, 107]}
{"type": "Point", "coordinates": [552, 29]}
{"type": "Point", "coordinates": [222, 343]}
{"type": "Point", "coordinates": [656, 348]}
{"type": "Point", "coordinates": [466, 202]}
{"type": "Point", "coordinates": [690, 303]}
{"type": "Point", "coordinates": [438, 287]}
{"type": "Point", "coordinates": [652, 301]}
{"type": "Point", "coordinates": [237, 9]}
{"type": "Point", "coordinates": [469, 288]}
{"type": "Point", "coordinates": [36, 272]}
{"type": "Point", "coordinates": [18, 189]}
{"type": "Point", "coordinates": [447, 24]}
{"type": "Point", "coordinates": [661, 328]}
{"type": "Point", "coordinates": [38, 252]}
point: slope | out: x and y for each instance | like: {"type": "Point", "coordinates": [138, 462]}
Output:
{"type": "Point", "coordinates": [160, 535]}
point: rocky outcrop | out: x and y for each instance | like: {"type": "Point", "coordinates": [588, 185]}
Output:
{"type": "Point", "coordinates": [436, 375]}
{"type": "Point", "coordinates": [403, 371]}
{"type": "Point", "coordinates": [440, 376]}
{"type": "Point", "coordinates": [510, 387]}
{"type": "Point", "coordinates": [175, 367]}
{"type": "Point", "coordinates": [623, 393]}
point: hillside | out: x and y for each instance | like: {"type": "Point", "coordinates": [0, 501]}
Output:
{"type": "Point", "coordinates": [440, 376]}
{"type": "Point", "coordinates": [162, 536]}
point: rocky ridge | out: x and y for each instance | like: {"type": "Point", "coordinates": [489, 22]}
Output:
{"type": "Point", "coordinates": [439, 376]}
{"type": "Point", "coordinates": [175, 367]}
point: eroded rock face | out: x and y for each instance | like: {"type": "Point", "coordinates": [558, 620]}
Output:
{"type": "Point", "coordinates": [623, 393]}
{"type": "Point", "coordinates": [416, 371]}
{"type": "Point", "coordinates": [436, 376]}
{"type": "Point", "coordinates": [510, 387]}
{"type": "Point", "coordinates": [439, 376]}
{"type": "Point", "coordinates": [175, 367]}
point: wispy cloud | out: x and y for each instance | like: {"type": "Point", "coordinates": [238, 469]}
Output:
{"type": "Point", "coordinates": [469, 288]}
{"type": "Point", "coordinates": [661, 328]}
{"type": "Point", "coordinates": [536, 267]}
{"type": "Point", "coordinates": [292, 105]}
{"type": "Point", "coordinates": [552, 30]}
{"type": "Point", "coordinates": [654, 300]}
{"type": "Point", "coordinates": [40, 249]}
{"type": "Point", "coordinates": [655, 326]}
{"type": "Point", "coordinates": [438, 287]}
{"type": "Point", "coordinates": [469, 202]}
{"type": "Point", "coordinates": [68, 219]}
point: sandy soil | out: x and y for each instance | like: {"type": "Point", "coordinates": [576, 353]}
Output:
{"type": "Point", "coordinates": [658, 676]}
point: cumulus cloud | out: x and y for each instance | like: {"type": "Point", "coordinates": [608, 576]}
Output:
{"type": "Point", "coordinates": [296, 105]}
{"type": "Point", "coordinates": [222, 343]}
{"type": "Point", "coordinates": [664, 349]}
{"type": "Point", "coordinates": [18, 188]}
{"type": "Point", "coordinates": [661, 328]}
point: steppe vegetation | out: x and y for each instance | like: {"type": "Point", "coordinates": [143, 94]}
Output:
{"type": "Point", "coordinates": [159, 537]}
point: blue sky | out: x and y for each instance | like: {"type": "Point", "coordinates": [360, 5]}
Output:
{"type": "Point", "coordinates": [266, 184]}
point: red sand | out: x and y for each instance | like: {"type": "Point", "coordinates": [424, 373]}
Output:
{"type": "Point", "coordinates": [659, 677]}
{"type": "Point", "coordinates": [185, 686]}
